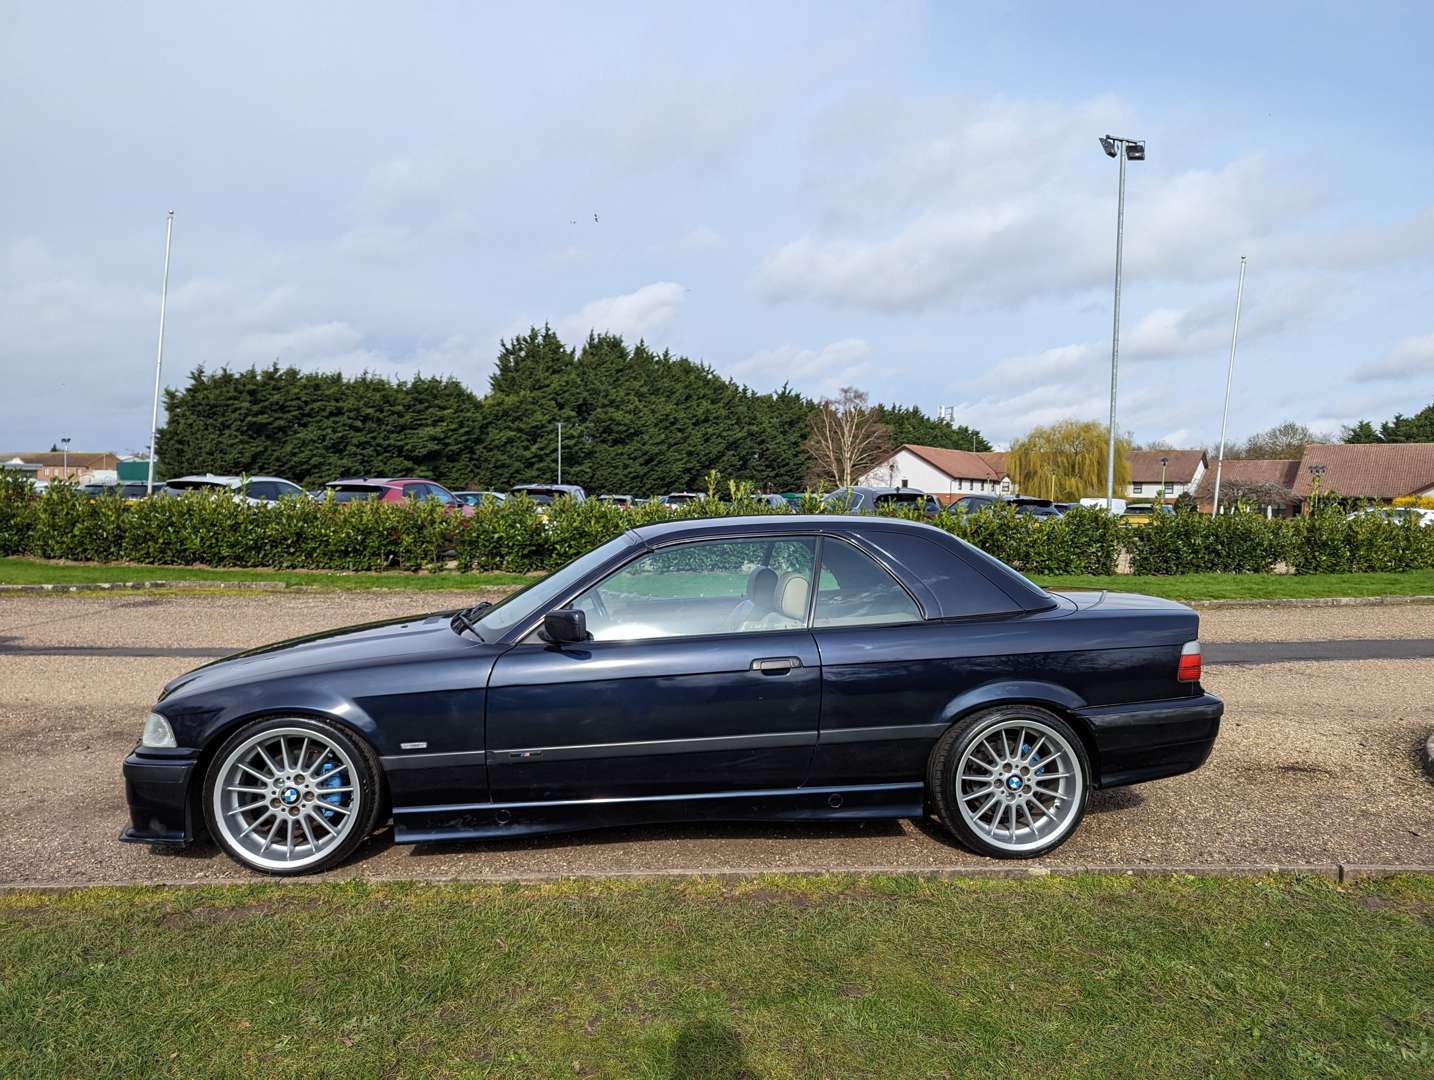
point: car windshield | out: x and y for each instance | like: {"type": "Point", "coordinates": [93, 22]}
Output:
{"type": "Point", "coordinates": [354, 492]}
{"type": "Point", "coordinates": [504, 615]}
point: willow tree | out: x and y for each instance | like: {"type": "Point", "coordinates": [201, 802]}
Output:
{"type": "Point", "coordinates": [1066, 461]}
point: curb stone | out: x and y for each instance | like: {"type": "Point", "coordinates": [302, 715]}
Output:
{"type": "Point", "coordinates": [1337, 872]}
{"type": "Point", "coordinates": [1317, 601]}
{"type": "Point", "coordinates": [120, 586]}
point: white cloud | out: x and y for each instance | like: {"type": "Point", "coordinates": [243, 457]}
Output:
{"type": "Point", "coordinates": [633, 315]}
{"type": "Point", "coordinates": [1007, 202]}
{"type": "Point", "coordinates": [821, 371]}
{"type": "Point", "coordinates": [1411, 358]}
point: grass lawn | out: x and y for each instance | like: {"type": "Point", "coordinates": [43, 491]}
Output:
{"type": "Point", "coordinates": [20, 571]}
{"type": "Point", "coordinates": [838, 976]}
{"type": "Point", "coordinates": [1254, 586]}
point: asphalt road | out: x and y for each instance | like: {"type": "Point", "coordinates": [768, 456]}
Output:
{"type": "Point", "coordinates": [1315, 764]}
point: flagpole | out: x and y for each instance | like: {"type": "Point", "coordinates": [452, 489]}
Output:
{"type": "Point", "coordinates": [1229, 377]}
{"type": "Point", "coordinates": [159, 355]}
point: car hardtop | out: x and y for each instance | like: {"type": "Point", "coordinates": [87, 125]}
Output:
{"type": "Point", "coordinates": [919, 554]}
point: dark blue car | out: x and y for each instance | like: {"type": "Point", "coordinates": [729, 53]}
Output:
{"type": "Point", "coordinates": [774, 668]}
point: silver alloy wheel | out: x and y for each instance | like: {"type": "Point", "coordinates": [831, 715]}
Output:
{"type": "Point", "coordinates": [1019, 785]}
{"type": "Point", "coordinates": [286, 797]}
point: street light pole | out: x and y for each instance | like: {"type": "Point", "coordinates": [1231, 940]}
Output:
{"type": "Point", "coordinates": [1164, 461]}
{"type": "Point", "coordinates": [1134, 150]}
{"type": "Point", "coordinates": [1229, 375]}
{"type": "Point", "coordinates": [159, 354]}
{"type": "Point", "coordinates": [560, 451]}
{"type": "Point", "coordinates": [65, 446]}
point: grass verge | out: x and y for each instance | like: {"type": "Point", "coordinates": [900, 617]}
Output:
{"type": "Point", "coordinates": [1255, 586]}
{"type": "Point", "coordinates": [777, 976]}
{"type": "Point", "coordinates": [21, 571]}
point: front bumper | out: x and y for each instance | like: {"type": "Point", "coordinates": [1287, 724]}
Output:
{"type": "Point", "coordinates": [157, 787]}
{"type": "Point", "coordinates": [1153, 739]}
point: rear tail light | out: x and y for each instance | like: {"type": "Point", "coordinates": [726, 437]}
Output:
{"type": "Point", "coordinates": [1189, 669]}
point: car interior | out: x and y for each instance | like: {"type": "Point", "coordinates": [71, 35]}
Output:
{"type": "Point", "coordinates": [725, 587]}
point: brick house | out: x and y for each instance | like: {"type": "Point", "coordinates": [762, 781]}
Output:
{"type": "Point", "coordinates": [1267, 482]}
{"type": "Point", "coordinates": [1379, 472]}
{"type": "Point", "coordinates": [52, 464]}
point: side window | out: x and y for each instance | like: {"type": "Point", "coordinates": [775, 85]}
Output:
{"type": "Point", "coordinates": [283, 490]}
{"type": "Point", "coordinates": [855, 590]}
{"type": "Point", "coordinates": [709, 587]}
{"type": "Point", "coordinates": [262, 489]}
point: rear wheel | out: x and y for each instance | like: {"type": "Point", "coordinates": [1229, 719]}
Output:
{"type": "Point", "coordinates": [291, 796]}
{"type": "Point", "coordinates": [1011, 782]}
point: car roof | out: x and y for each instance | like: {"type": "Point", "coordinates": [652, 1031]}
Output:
{"type": "Point", "coordinates": [877, 531]}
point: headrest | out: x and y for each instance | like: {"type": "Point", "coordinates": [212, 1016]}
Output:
{"type": "Point", "coordinates": [792, 596]}
{"type": "Point", "coordinates": [762, 588]}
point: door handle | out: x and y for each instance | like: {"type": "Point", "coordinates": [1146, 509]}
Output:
{"type": "Point", "coordinates": [776, 665]}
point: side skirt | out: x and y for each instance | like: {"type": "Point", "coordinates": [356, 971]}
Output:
{"type": "Point", "coordinates": [476, 821]}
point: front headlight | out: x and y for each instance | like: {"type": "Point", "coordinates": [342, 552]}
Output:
{"type": "Point", "coordinates": [157, 732]}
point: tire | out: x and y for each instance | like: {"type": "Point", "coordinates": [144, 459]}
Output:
{"type": "Point", "coordinates": [291, 795]}
{"type": "Point", "coordinates": [1011, 804]}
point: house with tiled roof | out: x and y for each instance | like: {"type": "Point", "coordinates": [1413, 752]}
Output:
{"type": "Point", "coordinates": [1268, 483]}
{"type": "Point", "coordinates": [1377, 471]}
{"type": "Point", "coordinates": [1178, 470]}
{"type": "Point", "coordinates": [942, 472]}
{"type": "Point", "coordinates": [77, 465]}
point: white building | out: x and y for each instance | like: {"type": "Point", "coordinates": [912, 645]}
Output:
{"type": "Point", "coordinates": [942, 472]}
{"type": "Point", "coordinates": [1179, 470]}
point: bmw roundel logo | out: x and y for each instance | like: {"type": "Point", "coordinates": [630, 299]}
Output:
{"type": "Point", "coordinates": [290, 796]}
{"type": "Point", "coordinates": [1014, 783]}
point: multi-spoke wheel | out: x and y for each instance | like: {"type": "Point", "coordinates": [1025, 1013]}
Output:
{"type": "Point", "coordinates": [1010, 782]}
{"type": "Point", "coordinates": [290, 796]}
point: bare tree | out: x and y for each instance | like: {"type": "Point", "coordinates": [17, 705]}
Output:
{"type": "Point", "coordinates": [846, 440]}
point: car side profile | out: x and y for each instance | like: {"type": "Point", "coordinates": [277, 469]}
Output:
{"type": "Point", "coordinates": [788, 668]}
{"type": "Point", "coordinates": [394, 489]}
{"type": "Point", "coordinates": [255, 490]}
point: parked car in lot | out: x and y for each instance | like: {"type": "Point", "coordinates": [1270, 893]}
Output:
{"type": "Point", "coordinates": [866, 500]}
{"type": "Point", "coordinates": [788, 668]}
{"type": "Point", "coordinates": [972, 504]}
{"type": "Point", "coordinates": [1396, 514]}
{"type": "Point", "coordinates": [255, 490]}
{"type": "Point", "coordinates": [776, 503]}
{"type": "Point", "coordinates": [1036, 508]}
{"type": "Point", "coordinates": [393, 489]}
{"type": "Point", "coordinates": [677, 498]}
{"type": "Point", "coordinates": [544, 494]}
{"type": "Point", "coordinates": [478, 498]}
{"type": "Point", "coordinates": [1141, 513]}
{"type": "Point", "coordinates": [622, 502]}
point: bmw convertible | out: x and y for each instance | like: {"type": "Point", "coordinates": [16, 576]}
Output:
{"type": "Point", "coordinates": [798, 668]}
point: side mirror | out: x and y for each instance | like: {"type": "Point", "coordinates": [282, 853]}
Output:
{"type": "Point", "coordinates": [565, 626]}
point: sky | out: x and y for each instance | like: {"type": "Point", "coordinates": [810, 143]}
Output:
{"type": "Point", "coordinates": [906, 198]}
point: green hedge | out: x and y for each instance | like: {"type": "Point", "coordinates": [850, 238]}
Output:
{"type": "Point", "coordinates": [214, 530]}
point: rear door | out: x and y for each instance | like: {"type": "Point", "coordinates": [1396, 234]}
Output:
{"type": "Point", "coordinates": [702, 677]}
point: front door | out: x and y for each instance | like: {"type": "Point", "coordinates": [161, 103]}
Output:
{"type": "Point", "coordinates": [701, 677]}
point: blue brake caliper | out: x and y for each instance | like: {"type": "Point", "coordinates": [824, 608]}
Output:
{"type": "Point", "coordinates": [1026, 749]}
{"type": "Point", "coordinates": [330, 770]}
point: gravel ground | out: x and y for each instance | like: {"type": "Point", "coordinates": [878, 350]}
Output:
{"type": "Point", "coordinates": [1316, 762]}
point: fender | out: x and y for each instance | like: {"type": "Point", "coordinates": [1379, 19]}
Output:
{"type": "Point", "coordinates": [1010, 691]}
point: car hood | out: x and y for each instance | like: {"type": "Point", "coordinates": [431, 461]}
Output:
{"type": "Point", "coordinates": [389, 641]}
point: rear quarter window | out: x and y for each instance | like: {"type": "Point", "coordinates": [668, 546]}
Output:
{"type": "Point", "coordinates": [961, 589]}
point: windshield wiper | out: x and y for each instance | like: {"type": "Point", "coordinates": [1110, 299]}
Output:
{"type": "Point", "coordinates": [463, 619]}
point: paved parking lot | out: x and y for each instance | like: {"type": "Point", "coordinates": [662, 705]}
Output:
{"type": "Point", "coordinates": [1315, 762]}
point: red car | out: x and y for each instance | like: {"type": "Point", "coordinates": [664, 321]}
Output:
{"type": "Point", "coordinates": [394, 489]}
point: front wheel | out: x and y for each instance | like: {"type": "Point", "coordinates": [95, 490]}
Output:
{"type": "Point", "coordinates": [291, 796]}
{"type": "Point", "coordinates": [1011, 782]}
